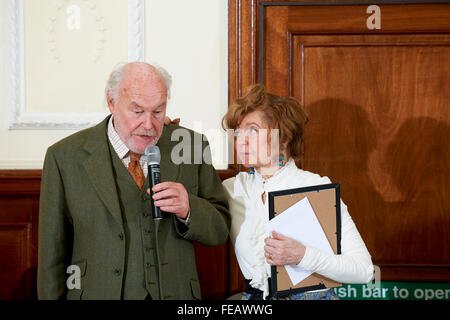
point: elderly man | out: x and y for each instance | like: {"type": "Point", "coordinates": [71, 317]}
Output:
{"type": "Point", "coordinates": [95, 210]}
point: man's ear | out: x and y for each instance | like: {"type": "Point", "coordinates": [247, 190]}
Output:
{"type": "Point", "coordinates": [110, 102]}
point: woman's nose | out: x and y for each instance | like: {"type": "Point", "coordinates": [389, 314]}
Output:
{"type": "Point", "coordinates": [242, 139]}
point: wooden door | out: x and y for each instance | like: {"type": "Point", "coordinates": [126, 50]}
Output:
{"type": "Point", "coordinates": [379, 108]}
{"type": "Point", "coordinates": [19, 206]}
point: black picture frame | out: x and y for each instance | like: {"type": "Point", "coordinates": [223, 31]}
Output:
{"type": "Point", "coordinates": [271, 196]}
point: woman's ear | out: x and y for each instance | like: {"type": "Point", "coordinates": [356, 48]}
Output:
{"type": "Point", "coordinates": [283, 147]}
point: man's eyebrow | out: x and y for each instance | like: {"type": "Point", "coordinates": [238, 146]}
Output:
{"type": "Point", "coordinates": [134, 104]}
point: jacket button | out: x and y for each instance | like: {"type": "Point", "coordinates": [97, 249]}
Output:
{"type": "Point", "coordinates": [121, 236]}
{"type": "Point", "coordinates": [117, 272]}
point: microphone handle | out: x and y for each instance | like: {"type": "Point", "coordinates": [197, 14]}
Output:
{"type": "Point", "coordinates": [154, 179]}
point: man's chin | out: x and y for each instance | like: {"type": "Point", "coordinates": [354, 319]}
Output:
{"type": "Point", "coordinates": [139, 147]}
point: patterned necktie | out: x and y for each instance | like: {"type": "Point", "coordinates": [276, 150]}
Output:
{"type": "Point", "coordinates": [134, 168]}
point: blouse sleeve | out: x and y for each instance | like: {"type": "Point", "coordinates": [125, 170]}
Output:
{"type": "Point", "coordinates": [353, 265]}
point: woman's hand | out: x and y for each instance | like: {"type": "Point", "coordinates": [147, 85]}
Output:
{"type": "Point", "coordinates": [168, 121]}
{"type": "Point", "coordinates": [281, 250]}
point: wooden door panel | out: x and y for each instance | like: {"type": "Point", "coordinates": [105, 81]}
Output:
{"type": "Point", "coordinates": [340, 19]}
{"type": "Point", "coordinates": [15, 247]}
{"type": "Point", "coordinates": [381, 126]}
{"type": "Point", "coordinates": [366, 116]}
{"type": "Point", "coordinates": [378, 102]}
{"type": "Point", "coordinates": [212, 268]}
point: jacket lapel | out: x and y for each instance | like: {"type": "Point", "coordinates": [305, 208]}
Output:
{"type": "Point", "coordinates": [99, 169]}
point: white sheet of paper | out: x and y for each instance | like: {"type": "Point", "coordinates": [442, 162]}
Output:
{"type": "Point", "coordinates": [300, 223]}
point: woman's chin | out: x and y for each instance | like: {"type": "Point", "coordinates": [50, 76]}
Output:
{"type": "Point", "coordinates": [248, 165]}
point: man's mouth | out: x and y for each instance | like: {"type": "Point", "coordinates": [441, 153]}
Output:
{"type": "Point", "coordinates": [144, 139]}
{"type": "Point", "coordinates": [144, 136]}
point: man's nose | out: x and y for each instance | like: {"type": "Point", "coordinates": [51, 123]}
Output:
{"type": "Point", "coordinates": [147, 122]}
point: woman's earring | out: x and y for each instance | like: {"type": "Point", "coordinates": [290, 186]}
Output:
{"type": "Point", "coordinates": [251, 170]}
{"type": "Point", "coordinates": [281, 160]}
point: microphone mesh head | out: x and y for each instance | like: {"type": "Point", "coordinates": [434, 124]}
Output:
{"type": "Point", "coordinates": [153, 155]}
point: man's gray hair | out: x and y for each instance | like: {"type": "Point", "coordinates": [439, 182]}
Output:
{"type": "Point", "coordinates": [116, 77]}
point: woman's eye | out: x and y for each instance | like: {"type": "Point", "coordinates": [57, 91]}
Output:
{"type": "Point", "coordinates": [237, 133]}
{"type": "Point", "coordinates": [252, 131]}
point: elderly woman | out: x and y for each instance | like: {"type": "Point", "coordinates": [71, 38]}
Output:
{"type": "Point", "coordinates": [253, 117]}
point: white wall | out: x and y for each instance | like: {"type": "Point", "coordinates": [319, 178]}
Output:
{"type": "Point", "coordinates": [188, 38]}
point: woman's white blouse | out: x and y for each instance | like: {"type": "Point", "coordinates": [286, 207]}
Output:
{"type": "Point", "coordinates": [249, 215]}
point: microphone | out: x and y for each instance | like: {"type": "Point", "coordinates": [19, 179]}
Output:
{"type": "Point", "coordinates": [154, 177]}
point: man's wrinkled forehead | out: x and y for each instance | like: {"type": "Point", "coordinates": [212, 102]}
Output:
{"type": "Point", "coordinates": [141, 76]}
